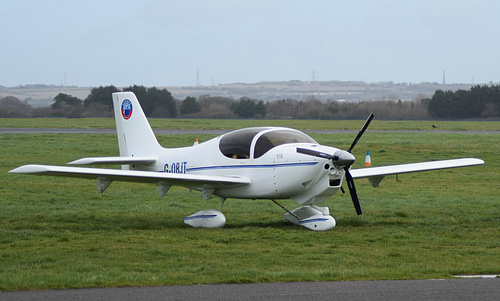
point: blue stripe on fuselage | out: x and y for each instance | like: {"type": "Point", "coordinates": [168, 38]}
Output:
{"type": "Point", "coordinates": [251, 166]}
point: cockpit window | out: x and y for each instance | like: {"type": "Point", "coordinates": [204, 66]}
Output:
{"type": "Point", "coordinates": [237, 144]}
{"type": "Point", "coordinates": [279, 137]}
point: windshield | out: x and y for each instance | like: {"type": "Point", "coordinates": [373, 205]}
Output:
{"type": "Point", "coordinates": [237, 144]}
{"type": "Point", "coordinates": [279, 137]}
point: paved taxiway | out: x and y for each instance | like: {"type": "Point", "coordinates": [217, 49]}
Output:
{"type": "Point", "coordinates": [449, 289]}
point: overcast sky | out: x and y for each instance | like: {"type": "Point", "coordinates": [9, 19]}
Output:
{"type": "Point", "coordinates": [167, 43]}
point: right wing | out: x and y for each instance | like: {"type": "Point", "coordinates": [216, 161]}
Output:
{"type": "Point", "coordinates": [113, 160]}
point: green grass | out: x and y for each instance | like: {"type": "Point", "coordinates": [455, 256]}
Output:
{"type": "Point", "coordinates": [232, 124]}
{"type": "Point", "coordinates": [61, 233]}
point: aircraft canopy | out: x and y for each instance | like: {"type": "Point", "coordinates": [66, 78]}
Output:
{"type": "Point", "coordinates": [237, 144]}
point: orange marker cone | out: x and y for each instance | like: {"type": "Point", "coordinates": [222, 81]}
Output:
{"type": "Point", "coordinates": [196, 142]}
{"type": "Point", "coordinates": [368, 159]}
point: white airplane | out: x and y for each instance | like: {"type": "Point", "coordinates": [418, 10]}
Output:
{"type": "Point", "coordinates": [251, 163]}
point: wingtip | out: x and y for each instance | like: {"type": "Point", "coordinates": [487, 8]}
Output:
{"type": "Point", "coordinates": [27, 169]}
{"type": "Point", "coordinates": [475, 161]}
{"type": "Point", "coordinates": [83, 161]}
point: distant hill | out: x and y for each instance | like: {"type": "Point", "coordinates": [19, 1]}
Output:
{"type": "Point", "coordinates": [42, 95]}
{"type": "Point", "coordinates": [353, 91]}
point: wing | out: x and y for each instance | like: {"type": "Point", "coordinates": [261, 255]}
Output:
{"type": "Point", "coordinates": [376, 174]}
{"type": "Point", "coordinates": [105, 176]}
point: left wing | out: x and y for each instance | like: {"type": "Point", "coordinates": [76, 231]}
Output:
{"type": "Point", "coordinates": [105, 176]}
{"type": "Point", "coordinates": [376, 174]}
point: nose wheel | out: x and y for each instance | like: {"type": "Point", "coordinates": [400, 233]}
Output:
{"type": "Point", "coordinates": [311, 217]}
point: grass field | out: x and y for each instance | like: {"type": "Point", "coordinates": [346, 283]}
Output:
{"type": "Point", "coordinates": [61, 233]}
{"type": "Point", "coordinates": [106, 123]}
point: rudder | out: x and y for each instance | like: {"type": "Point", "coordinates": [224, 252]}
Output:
{"type": "Point", "coordinates": [135, 136]}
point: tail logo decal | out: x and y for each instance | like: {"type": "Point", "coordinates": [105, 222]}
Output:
{"type": "Point", "coordinates": [126, 109]}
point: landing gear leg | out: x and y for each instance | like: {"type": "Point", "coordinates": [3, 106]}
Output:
{"type": "Point", "coordinates": [289, 212]}
{"type": "Point", "coordinates": [222, 203]}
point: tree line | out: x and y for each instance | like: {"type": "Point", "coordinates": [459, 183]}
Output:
{"type": "Point", "coordinates": [478, 102]}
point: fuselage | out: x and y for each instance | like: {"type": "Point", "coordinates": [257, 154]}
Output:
{"type": "Point", "coordinates": [266, 155]}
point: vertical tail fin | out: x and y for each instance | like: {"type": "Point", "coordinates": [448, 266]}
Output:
{"type": "Point", "coordinates": [135, 136]}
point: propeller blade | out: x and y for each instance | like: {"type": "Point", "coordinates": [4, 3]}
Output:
{"type": "Point", "coordinates": [363, 129]}
{"type": "Point", "coordinates": [352, 190]}
{"type": "Point", "coordinates": [311, 152]}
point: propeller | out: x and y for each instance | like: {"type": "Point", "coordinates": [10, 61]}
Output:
{"type": "Point", "coordinates": [348, 176]}
{"type": "Point", "coordinates": [343, 159]}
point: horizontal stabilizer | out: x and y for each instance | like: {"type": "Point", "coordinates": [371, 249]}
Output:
{"type": "Point", "coordinates": [113, 160]}
{"type": "Point", "coordinates": [413, 167]}
{"type": "Point", "coordinates": [186, 180]}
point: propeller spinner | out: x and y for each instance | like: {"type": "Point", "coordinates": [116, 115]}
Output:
{"type": "Point", "coordinates": [343, 159]}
